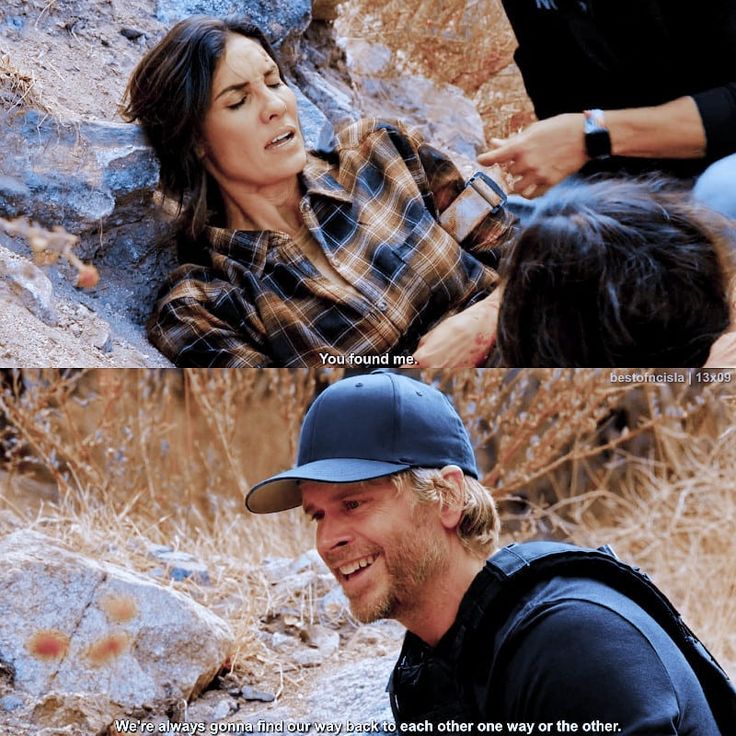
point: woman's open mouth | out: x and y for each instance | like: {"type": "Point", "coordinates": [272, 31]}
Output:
{"type": "Point", "coordinates": [281, 140]}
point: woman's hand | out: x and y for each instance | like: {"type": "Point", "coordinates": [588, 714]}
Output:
{"type": "Point", "coordinates": [463, 340]}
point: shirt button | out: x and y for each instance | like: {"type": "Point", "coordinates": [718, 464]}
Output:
{"type": "Point", "coordinates": [382, 304]}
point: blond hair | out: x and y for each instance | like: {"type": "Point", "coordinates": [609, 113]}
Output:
{"type": "Point", "coordinates": [479, 525]}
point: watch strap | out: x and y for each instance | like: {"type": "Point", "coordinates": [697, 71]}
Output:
{"type": "Point", "coordinates": [597, 137]}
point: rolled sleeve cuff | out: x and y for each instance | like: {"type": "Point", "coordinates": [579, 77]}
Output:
{"type": "Point", "coordinates": [718, 111]}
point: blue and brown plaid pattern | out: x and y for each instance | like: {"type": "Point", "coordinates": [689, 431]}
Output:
{"type": "Point", "coordinates": [372, 205]}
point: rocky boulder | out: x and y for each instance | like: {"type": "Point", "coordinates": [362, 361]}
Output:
{"type": "Point", "coordinates": [77, 173]}
{"type": "Point", "coordinates": [283, 23]}
{"type": "Point", "coordinates": [84, 642]}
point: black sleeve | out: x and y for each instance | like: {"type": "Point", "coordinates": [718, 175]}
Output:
{"type": "Point", "coordinates": [582, 662]}
{"type": "Point", "coordinates": [718, 110]}
{"type": "Point", "coordinates": [707, 37]}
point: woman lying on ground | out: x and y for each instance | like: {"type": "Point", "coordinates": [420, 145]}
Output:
{"type": "Point", "coordinates": [617, 273]}
{"type": "Point", "coordinates": [289, 256]}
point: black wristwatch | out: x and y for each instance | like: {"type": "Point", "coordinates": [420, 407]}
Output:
{"type": "Point", "coordinates": [597, 138]}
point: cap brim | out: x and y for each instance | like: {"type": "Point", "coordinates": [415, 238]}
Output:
{"type": "Point", "coordinates": [281, 492]}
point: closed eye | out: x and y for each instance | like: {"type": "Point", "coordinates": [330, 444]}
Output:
{"type": "Point", "coordinates": [237, 104]}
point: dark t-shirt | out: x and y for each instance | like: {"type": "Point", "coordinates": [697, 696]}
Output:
{"type": "Point", "coordinates": [571, 649]}
{"type": "Point", "coordinates": [580, 54]}
{"type": "Point", "coordinates": [580, 651]}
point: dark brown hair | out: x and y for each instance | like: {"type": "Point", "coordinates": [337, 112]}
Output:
{"type": "Point", "coordinates": [615, 273]}
{"type": "Point", "coordinates": [169, 94]}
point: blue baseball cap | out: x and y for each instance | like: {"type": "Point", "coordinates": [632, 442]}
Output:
{"type": "Point", "coordinates": [367, 427]}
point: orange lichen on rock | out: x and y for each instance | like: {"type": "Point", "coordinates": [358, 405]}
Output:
{"type": "Point", "coordinates": [108, 648]}
{"type": "Point", "coordinates": [119, 608]}
{"type": "Point", "coordinates": [48, 644]}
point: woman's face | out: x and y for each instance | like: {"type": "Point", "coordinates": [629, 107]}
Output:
{"type": "Point", "coordinates": [251, 131]}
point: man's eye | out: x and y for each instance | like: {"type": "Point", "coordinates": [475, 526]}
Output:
{"type": "Point", "coordinates": [316, 516]}
{"type": "Point", "coordinates": [351, 505]}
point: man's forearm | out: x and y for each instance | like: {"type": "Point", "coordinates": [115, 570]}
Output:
{"type": "Point", "coordinates": [672, 130]}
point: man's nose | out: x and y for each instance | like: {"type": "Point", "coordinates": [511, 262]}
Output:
{"type": "Point", "coordinates": [332, 534]}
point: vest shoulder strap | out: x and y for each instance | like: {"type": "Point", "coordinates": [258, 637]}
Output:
{"type": "Point", "coordinates": [518, 567]}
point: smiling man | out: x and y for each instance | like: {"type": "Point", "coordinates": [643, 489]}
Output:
{"type": "Point", "coordinates": [538, 633]}
{"type": "Point", "coordinates": [387, 473]}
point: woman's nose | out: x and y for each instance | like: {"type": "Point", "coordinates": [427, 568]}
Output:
{"type": "Point", "coordinates": [273, 105]}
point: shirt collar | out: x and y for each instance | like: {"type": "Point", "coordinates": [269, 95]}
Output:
{"type": "Point", "coordinates": [318, 178]}
{"type": "Point", "coordinates": [249, 247]}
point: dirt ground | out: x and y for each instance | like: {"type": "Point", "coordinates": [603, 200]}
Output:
{"type": "Point", "coordinates": [79, 53]}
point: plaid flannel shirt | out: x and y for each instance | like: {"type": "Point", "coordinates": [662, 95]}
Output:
{"type": "Point", "coordinates": [372, 205]}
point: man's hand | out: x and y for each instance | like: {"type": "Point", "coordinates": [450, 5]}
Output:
{"type": "Point", "coordinates": [463, 340]}
{"type": "Point", "coordinates": [542, 155]}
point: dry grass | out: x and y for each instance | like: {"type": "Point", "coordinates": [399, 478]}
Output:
{"type": "Point", "coordinates": [17, 88]}
{"type": "Point", "coordinates": [676, 520]}
{"type": "Point", "coordinates": [130, 458]}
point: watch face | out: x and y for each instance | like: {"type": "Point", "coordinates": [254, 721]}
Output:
{"type": "Point", "coordinates": [598, 143]}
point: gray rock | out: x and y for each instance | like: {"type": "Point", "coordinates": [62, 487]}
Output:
{"type": "Point", "coordinates": [444, 115]}
{"type": "Point", "coordinates": [316, 128]}
{"type": "Point", "coordinates": [283, 643]}
{"type": "Point", "coordinates": [132, 34]}
{"type": "Point", "coordinates": [357, 692]}
{"type": "Point", "coordinates": [87, 635]}
{"type": "Point", "coordinates": [380, 638]}
{"type": "Point", "coordinates": [329, 95]}
{"type": "Point", "coordinates": [68, 713]}
{"type": "Point", "coordinates": [250, 693]}
{"type": "Point", "coordinates": [10, 703]}
{"type": "Point", "coordinates": [213, 705]}
{"type": "Point", "coordinates": [99, 336]}
{"type": "Point", "coordinates": [447, 118]}
{"type": "Point", "coordinates": [308, 657]}
{"type": "Point", "coordinates": [30, 285]}
{"type": "Point", "coordinates": [97, 180]}
{"type": "Point", "coordinates": [223, 708]}
{"type": "Point", "coordinates": [295, 586]}
{"type": "Point", "coordinates": [180, 565]}
{"type": "Point", "coordinates": [310, 560]}
{"type": "Point", "coordinates": [73, 173]}
{"type": "Point", "coordinates": [280, 22]}
{"type": "Point", "coordinates": [275, 568]}
{"type": "Point", "coordinates": [325, 640]}
{"type": "Point", "coordinates": [10, 186]}
{"type": "Point", "coordinates": [333, 607]}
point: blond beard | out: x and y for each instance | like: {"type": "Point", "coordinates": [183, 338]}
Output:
{"type": "Point", "coordinates": [416, 558]}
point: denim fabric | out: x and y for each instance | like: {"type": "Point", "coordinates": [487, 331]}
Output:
{"type": "Point", "coordinates": [716, 187]}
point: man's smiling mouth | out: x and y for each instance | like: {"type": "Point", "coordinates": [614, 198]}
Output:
{"type": "Point", "coordinates": [350, 569]}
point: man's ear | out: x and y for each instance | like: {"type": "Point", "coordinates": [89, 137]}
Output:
{"type": "Point", "coordinates": [451, 508]}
